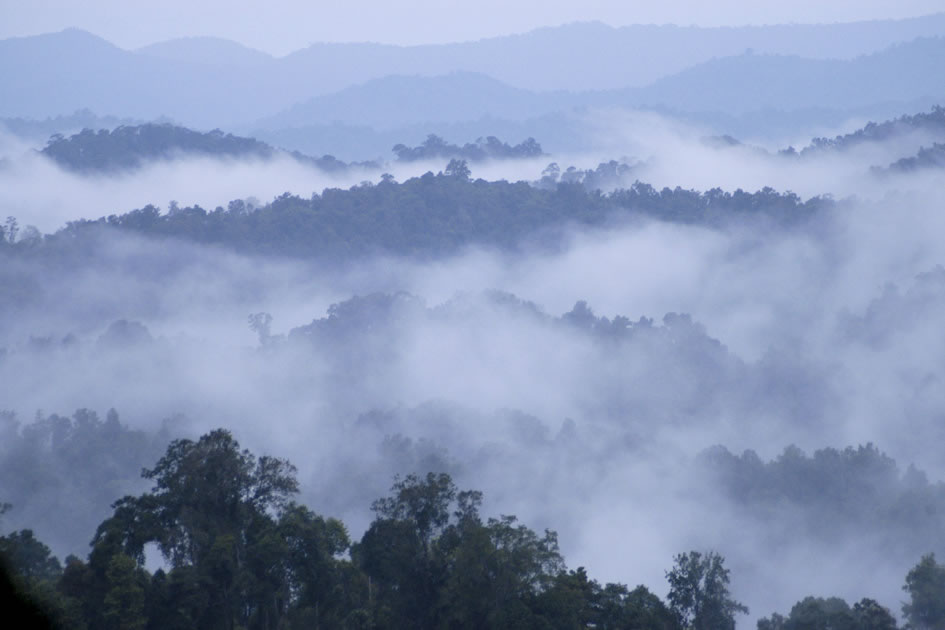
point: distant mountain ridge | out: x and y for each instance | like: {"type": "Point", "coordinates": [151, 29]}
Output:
{"type": "Point", "coordinates": [748, 82]}
{"type": "Point", "coordinates": [206, 82]}
{"type": "Point", "coordinates": [402, 100]}
{"type": "Point", "coordinates": [213, 51]}
{"type": "Point", "coordinates": [568, 57]}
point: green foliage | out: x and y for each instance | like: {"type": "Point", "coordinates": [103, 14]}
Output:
{"type": "Point", "coordinates": [433, 562]}
{"type": "Point", "coordinates": [832, 613]}
{"type": "Point", "coordinates": [208, 489]}
{"type": "Point", "coordinates": [868, 614]}
{"type": "Point", "coordinates": [431, 215]}
{"type": "Point", "coordinates": [244, 556]}
{"type": "Point", "coordinates": [699, 594]}
{"type": "Point", "coordinates": [574, 601]}
{"type": "Point", "coordinates": [925, 584]}
{"type": "Point", "coordinates": [124, 604]}
{"type": "Point", "coordinates": [28, 557]}
{"type": "Point", "coordinates": [490, 148]}
{"type": "Point", "coordinates": [130, 146]}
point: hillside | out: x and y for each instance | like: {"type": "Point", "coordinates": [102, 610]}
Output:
{"type": "Point", "coordinates": [405, 100]}
{"type": "Point", "coordinates": [745, 83]}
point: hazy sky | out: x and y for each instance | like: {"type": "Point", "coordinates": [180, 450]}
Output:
{"type": "Point", "coordinates": [280, 26]}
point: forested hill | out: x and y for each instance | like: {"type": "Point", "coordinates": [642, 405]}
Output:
{"type": "Point", "coordinates": [435, 215]}
{"type": "Point", "coordinates": [129, 147]}
{"type": "Point", "coordinates": [488, 148]}
{"type": "Point", "coordinates": [927, 157]}
{"type": "Point", "coordinates": [931, 123]}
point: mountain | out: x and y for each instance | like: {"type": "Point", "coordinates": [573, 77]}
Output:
{"type": "Point", "coordinates": [749, 82]}
{"type": "Point", "coordinates": [48, 75]}
{"type": "Point", "coordinates": [404, 100]}
{"type": "Point", "coordinates": [212, 51]}
{"type": "Point", "coordinates": [206, 82]}
{"type": "Point", "coordinates": [588, 55]}
{"type": "Point", "coordinates": [904, 73]}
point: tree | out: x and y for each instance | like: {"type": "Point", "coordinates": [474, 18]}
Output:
{"type": "Point", "coordinates": [398, 551]}
{"type": "Point", "coordinates": [12, 229]}
{"type": "Point", "coordinates": [818, 613]}
{"type": "Point", "coordinates": [869, 615]}
{"type": "Point", "coordinates": [210, 488]}
{"type": "Point", "coordinates": [424, 503]}
{"type": "Point", "coordinates": [434, 563]}
{"type": "Point", "coordinates": [831, 613]}
{"type": "Point", "coordinates": [261, 323]}
{"type": "Point", "coordinates": [311, 546]}
{"type": "Point", "coordinates": [124, 604]}
{"type": "Point", "coordinates": [458, 169]}
{"type": "Point", "coordinates": [29, 558]}
{"type": "Point", "coordinates": [211, 512]}
{"type": "Point", "coordinates": [925, 584]}
{"type": "Point", "coordinates": [699, 594]}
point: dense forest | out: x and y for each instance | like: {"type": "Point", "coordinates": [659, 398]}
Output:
{"type": "Point", "coordinates": [431, 215]}
{"type": "Point", "coordinates": [129, 147]}
{"type": "Point", "coordinates": [239, 551]}
{"type": "Point", "coordinates": [932, 123]}
{"type": "Point", "coordinates": [927, 157]}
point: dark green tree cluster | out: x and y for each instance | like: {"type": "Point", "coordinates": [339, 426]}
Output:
{"type": "Point", "coordinates": [127, 147]}
{"type": "Point", "coordinates": [699, 592]}
{"type": "Point", "coordinates": [241, 554]}
{"type": "Point", "coordinates": [836, 493]}
{"type": "Point", "coordinates": [925, 585]}
{"type": "Point", "coordinates": [925, 610]}
{"type": "Point", "coordinates": [489, 148]}
{"type": "Point", "coordinates": [832, 613]}
{"type": "Point", "coordinates": [427, 216]}
{"type": "Point", "coordinates": [607, 176]}
{"type": "Point", "coordinates": [130, 146]}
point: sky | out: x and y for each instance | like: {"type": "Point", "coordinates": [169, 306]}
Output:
{"type": "Point", "coordinates": [281, 26]}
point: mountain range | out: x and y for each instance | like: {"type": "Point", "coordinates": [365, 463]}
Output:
{"type": "Point", "coordinates": [208, 82]}
{"type": "Point", "coordinates": [355, 100]}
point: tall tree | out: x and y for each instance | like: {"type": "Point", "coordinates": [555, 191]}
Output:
{"type": "Point", "coordinates": [211, 512]}
{"type": "Point", "coordinates": [699, 593]}
{"type": "Point", "coordinates": [925, 584]}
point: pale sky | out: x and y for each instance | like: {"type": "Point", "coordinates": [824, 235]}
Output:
{"type": "Point", "coordinates": [280, 26]}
